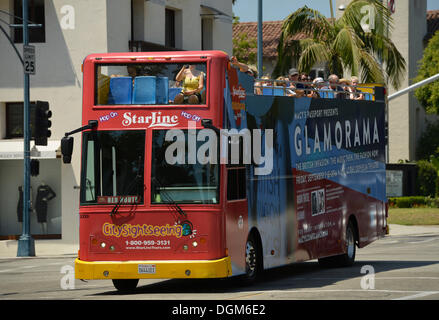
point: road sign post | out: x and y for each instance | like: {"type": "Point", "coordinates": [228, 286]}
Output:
{"type": "Point", "coordinates": [26, 244]}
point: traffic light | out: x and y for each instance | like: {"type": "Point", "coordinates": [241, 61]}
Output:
{"type": "Point", "coordinates": [34, 167]}
{"type": "Point", "coordinates": [42, 123]}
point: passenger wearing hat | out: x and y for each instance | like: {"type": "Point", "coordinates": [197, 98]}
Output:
{"type": "Point", "coordinates": [293, 76]}
{"type": "Point", "coordinates": [317, 84]}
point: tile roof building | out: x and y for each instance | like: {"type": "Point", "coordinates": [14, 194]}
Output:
{"type": "Point", "coordinates": [407, 118]}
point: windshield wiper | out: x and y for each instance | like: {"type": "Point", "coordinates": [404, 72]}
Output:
{"type": "Point", "coordinates": [168, 198]}
{"type": "Point", "coordinates": [130, 188]}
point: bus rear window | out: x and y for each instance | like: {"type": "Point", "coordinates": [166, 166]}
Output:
{"type": "Point", "coordinates": [151, 84]}
{"type": "Point", "coordinates": [113, 167]}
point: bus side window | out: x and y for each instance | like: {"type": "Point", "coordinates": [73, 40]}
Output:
{"type": "Point", "coordinates": [236, 170]}
{"type": "Point", "coordinates": [236, 183]}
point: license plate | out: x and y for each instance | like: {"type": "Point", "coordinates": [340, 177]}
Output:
{"type": "Point", "coordinates": [146, 268]}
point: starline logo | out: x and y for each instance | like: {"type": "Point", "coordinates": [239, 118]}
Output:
{"type": "Point", "coordinates": [238, 92]}
{"type": "Point", "coordinates": [154, 120]}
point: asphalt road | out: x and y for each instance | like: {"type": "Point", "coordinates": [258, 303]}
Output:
{"type": "Point", "coordinates": [396, 267]}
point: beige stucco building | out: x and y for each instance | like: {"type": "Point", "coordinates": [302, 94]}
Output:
{"type": "Point", "coordinates": [72, 30]}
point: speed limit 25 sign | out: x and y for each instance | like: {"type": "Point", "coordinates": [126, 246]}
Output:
{"type": "Point", "coordinates": [29, 59]}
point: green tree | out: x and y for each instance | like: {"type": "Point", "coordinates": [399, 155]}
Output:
{"type": "Point", "coordinates": [243, 45]}
{"type": "Point", "coordinates": [428, 144]}
{"type": "Point", "coordinates": [426, 179]}
{"type": "Point", "coordinates": [343, 44]}
{"type": "Point", "coordinates": [428, 95]}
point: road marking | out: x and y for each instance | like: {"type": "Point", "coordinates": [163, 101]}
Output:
{"type": "Point", "coordinates": [420, 278]}
{"type": "Point", "coordinates": [7, 270]}
{"type": "Point", "coordinates": [356, 278]}
{"type": "Point", "coordinates": [419, 295]}
{"type": "Point", "coordinates": [416, 293]}
{"type": "Point", "coordinates": [422, 241]}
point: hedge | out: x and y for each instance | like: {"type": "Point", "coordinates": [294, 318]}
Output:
{"type": "Point", "coordinates": [409, 202]}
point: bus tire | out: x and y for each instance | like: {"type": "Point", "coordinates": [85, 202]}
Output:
{"type": "Point", "coordinates": [253, 259]}
{"type": "Point", "coordinates": [347, 259]}
{"type": "Point", "coordinates": [125, 285]}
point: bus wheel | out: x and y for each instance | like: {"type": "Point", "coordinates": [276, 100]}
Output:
{"type": "Point", "coordinates": [347, 259]}
{"type": "Point", "coordinates": [253, 262]}
{"type": "Point", "coordinates": [125, 285]}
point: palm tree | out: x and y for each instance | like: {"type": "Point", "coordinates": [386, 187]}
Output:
{"type": "Point", "coordinates": [342, 44]}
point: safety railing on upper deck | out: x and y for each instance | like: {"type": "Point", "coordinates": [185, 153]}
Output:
{"type": "Point", "coordinates": [322, 89]}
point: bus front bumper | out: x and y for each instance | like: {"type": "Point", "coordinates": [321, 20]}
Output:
{"type": "Point", "coordinates": [159, 269]}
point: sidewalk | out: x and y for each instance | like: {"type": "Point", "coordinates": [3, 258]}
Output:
{"type": "Point", "coordinates": [43, 248]}
{"type": "Point", "coordinates": [400, 230]}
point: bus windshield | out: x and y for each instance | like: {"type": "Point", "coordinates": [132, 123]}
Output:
{"type": "Point", "coordinates": [113, 167]}
{"type": "Point", "coordinates": [150, 84]}
{"type": "Point", "coordinates": [182, 182]}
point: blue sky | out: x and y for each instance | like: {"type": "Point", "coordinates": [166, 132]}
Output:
{"type": "Point", "coordinates": [247, 10]}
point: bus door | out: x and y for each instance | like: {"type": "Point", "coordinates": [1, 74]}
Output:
{"type": "Point", "coordinates": [236, 211]}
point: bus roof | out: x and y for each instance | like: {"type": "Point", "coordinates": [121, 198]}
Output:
{"type": "Point", "coordinates": [178, 55]}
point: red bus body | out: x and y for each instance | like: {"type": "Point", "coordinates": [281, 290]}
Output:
{"type": "Point", "coordinates": [295, 215]}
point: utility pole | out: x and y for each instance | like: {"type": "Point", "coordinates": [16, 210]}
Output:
{"type": "Point", "coordinates": [260, 42]}
{"type": "Point", "coordinates": [331, 6]}
{"type": "Point", "coordinates": [26, 244]}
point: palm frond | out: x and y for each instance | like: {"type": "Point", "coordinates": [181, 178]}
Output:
{"type": "Point", "coordinates": [386, 51]}
{"type": "Point", "coordinates": [347, 44]}
{"type": "Point", "coordinates": [308, 21]}
{"type": "Point", "coordinates": [370, 69]}
{"type": "Point", "coordinates": [312, 54]}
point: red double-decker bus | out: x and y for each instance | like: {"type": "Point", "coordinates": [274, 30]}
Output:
{"type": "Point", "coordinates": [163, 196]}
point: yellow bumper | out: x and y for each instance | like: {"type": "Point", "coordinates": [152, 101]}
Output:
{"type": "Point", "coordinates": [168, 269]}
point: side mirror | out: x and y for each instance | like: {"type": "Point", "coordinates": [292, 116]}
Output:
{"type": "Point", "coordinates": [67, 149]}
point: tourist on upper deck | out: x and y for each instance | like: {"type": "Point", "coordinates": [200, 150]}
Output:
{"type": "Point", "coordinates": [355, 93]}
{"type": "Point", "coordinates": [242, 66]}
{"type": "Point", "coordinates": [294, 90]}
{"type": "Point", "coordinates": [193, 85]}
{"type": "Point", "coordinates": [317, 84]}
{"type": "Point", "coordinates": [333, 90]}
{"type": "Point", "coordinates": [345, 85]}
